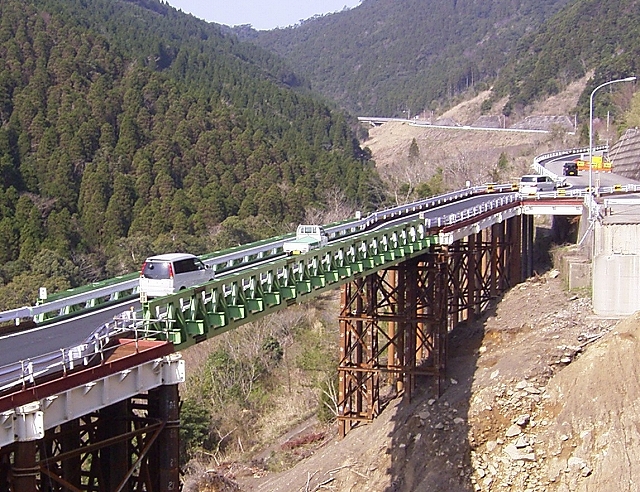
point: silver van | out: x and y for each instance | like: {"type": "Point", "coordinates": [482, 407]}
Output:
{"type": "Point", "coordinates": [166, 274]}
{"type": "Point", "coordinates": [532, 184]}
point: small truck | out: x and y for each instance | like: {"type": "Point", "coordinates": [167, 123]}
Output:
{"type": "Point", "coordinates": [308, 237]}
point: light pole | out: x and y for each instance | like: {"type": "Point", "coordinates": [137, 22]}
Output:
{"type": "Point", "coordinates": [626, 79]}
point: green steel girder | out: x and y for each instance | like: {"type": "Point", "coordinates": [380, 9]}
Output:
{"type": "Point", "coordinates": [193, 315]}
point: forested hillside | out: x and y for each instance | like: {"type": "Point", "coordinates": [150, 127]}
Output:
{"type": "Point", "coordinates": [392, 58]}
{"type": "Point", "coordinates": [598, 35]}
{"type": "Point", "coordinates": [389, 57]}
{"type": "Point", "coordinates": [128, 128]}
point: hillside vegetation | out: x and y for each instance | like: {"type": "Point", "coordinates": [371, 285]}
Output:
{"type": "Point", "coordinates": [127, 128]}
{"type": "Point", "coordinates": [388, 58]}
{"type": "Point", "coordinates": [603, 36]}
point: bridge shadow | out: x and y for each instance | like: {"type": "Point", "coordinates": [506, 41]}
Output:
{"type": "Point", "coordinates": [430, 443]}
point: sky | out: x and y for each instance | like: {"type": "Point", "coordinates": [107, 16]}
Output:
{"type": "Point", "coordinates": [261, 14]}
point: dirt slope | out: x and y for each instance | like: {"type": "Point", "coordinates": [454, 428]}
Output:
{"type": "Point", "coordinates": [469, 153]}
{"type": "Point", "coordinates": [541, 396]}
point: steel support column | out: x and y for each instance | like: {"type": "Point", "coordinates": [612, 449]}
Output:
{"type": "Point", "coordinates": [70, 441]}
{"type": "Point", "coordinates": [527, 245]}
{"type": "Point", "coordinates": [514, 233]}
{"type": "Point", "coordinates": [494, 268]}
{"type": "Point", "coordinates": [358, 371]}
{"type": "Point", "coordinates": [114, 459]}
{"type": "Point", "coordinates": [395, 321]}
{"type": "Point", "coordinates": [24, 472]}
{"type": "Point", "coordinates": [391, 356]}
{"type": "Point", "coordinates": [500, 252]}
{"type": "Point", "coordinates": [474, 255]}
{"type": "Point", "coordinates": [392, 322]}
{"type": "Point", "coordinates": [480, 268]}
{"type": "Point", "coordinates": [164, 405]}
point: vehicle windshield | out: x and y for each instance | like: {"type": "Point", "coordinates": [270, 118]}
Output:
{"type": "Point", "coordinates": [529, 179]}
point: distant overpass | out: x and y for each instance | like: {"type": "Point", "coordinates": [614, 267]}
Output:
{"type": "Point", "coordinates": [377, 121]}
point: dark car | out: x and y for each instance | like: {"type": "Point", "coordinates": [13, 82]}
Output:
{"type": "Point", "coordinates": [570, 169]}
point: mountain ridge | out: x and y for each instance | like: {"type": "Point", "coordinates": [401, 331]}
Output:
{"type": "Point", "coordinates": [424, 44]}
{"type": "Point", "coordinates": [524, 51]}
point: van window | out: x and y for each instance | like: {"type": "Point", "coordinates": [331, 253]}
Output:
{"type": "Point", "coordinates": [156, 269]}
{"type": "Point", "coordinates": [184, 266]}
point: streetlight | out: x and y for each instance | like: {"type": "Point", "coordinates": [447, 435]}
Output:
{"type": "Point", "coordinates": [627, 79]}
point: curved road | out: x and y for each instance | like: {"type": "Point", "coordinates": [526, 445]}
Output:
{"type": "Point", "coordinates": [582, 180]}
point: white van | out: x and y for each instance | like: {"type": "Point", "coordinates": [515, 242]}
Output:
{"type": "Point", "coordinates": [532, 184]}
{"type": "Point", "coordinates": [166, 274]}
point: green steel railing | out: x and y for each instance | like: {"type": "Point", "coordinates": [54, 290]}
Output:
{"type": "Point", "coordinates": [193, 315]}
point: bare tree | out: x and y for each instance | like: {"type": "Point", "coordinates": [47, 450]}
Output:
{"type": "Point", "coordinates": [338, 208]}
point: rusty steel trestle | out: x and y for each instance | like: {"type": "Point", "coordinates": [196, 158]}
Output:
{"type": "Point", "coordinates": [394, 323]}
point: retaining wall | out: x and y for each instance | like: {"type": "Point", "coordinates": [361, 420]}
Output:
{"type": "Point", "coordinates": [625, 154]}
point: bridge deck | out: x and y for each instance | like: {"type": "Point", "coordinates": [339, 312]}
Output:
{"type": "Point", "coordinates": [125, 355]}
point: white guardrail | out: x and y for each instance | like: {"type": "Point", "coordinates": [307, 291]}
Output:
{"type": "Point", "coordinates": [540, 169]}
{"type": "Point", "coordinates": [97, 345]}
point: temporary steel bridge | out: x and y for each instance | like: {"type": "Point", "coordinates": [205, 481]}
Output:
{"type": "Point", "coordinates": [101, 413]}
